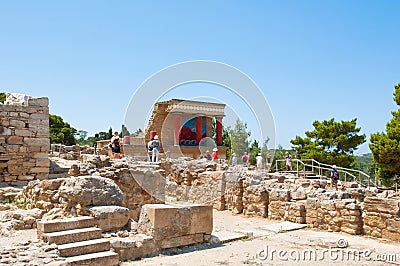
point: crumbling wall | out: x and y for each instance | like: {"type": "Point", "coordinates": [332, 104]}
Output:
{"type": "Point", "coordinates": [341, 215]}
{"type": "Point", "coordinates": [24, 141]}
{"type": "Point", "coordinates": [382, 217]}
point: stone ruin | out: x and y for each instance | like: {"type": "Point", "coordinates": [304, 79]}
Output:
{"type": "Point", "coordinates": [24, 139]}
{"type": "Point", "coordinates": [125, 198]}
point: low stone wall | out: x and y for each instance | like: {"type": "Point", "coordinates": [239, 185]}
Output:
{"type": "Point", "coordinates": [382, 218]}
{"type": "Point", "coordinates": [24, 141]}
{"type": "Point", "coordinates": [335, 215]}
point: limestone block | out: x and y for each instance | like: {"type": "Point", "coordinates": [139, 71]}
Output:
{"type": "Point", "coordinates": [2, 140]}
{"type": "Point", "coordinates": [279, 195]}
{"type": "Point", "coordinates": [23, 132]}
{"type": "Point", "coordinates": [165, 221]}
{"type": "Point", "coordinates": [299, 194]}
{"type": "Point", "coordinates": [91, 190]}
{"type": "Point", "coordinates": [135, 247]}
{"type": "Point", "coordinates": [201, 219]}
{"type": "Point", "coordinates": [393, 224]}
{"type": "Point", "coordinates": [390, 235]}
{"type": "Point", "coordinates": [12, 148]}
{"type": "Point", "coordinates": [110, 218]}
{"type": "Point", "coordinates": [43, 163]}
{"type": "Point", "coordinates": [14, 140]}
{"type": "Point", "coordinates": [26, 177]}
{"type": "Point", "coordinates": [382, 205]}
{"type": "Point", "coordinates": [374, 221]}
{"type": "Point", "coordinates": [181, 241]}
{"type": "Point", "coordinates": [39, 170]}
{"type": "Point", "coordinates": [17, 124]}
{"type": "Point", "coordinates": [37, 142]}
{"type": "Point", "coordinates": [4, 131]}
{"type": "Point", "coordinates": [42, 102]}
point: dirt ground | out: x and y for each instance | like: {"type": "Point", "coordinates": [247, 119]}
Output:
{"type": "Point", "coordinates": [301, 247]}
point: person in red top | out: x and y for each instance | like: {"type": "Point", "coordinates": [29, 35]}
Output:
{"type": "Point", "coordinates": [215, 154]}
{"type": "Point", "coordinates": [245, 159]}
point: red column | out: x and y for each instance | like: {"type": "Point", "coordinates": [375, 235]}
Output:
{"type": "Point", "coordinates": [177, 129]}
{"type": "Point", "coordinates": [199, 129]}
{"type": "Point", "coordinates": [219, 130]}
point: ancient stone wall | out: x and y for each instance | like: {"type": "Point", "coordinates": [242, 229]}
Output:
{"type": "Point", "coordinates": [382, 217]}
{"type": "Point", "coordinates": [24, 141]}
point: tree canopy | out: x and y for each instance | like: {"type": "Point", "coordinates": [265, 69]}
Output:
{"type": "Point", "coordinates": [2, 97]}
{"type": "Point", "coordinates": [385, 146]}
{"type": "Point", "coordinates": [239, 137]}
{"type": "Point", "coordinates": [330, 142]}
{"type": "Point", "coordinates": [60, 131]}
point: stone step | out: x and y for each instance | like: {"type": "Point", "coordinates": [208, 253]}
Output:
{"type": "Point", "coordinates": [75, 235]}
{"type": "Point", "coordinates": [64, 224]}
{"type": "Point", "coordinates": [107, 258]}
{"type": "Point", "coordinates": [84, 247]}
{"type": "Point", "coordinates": [59, 170]}
{"type": "Point", "coordinates": [55, 176]}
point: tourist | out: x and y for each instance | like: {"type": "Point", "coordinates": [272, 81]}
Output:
{"type": "Point", "coordinates": [115, 146]}
{"type": "Point", "coordinates": [156, 148]}
{"type": "Point", "coordinates": [208, 155]}
{"type": "Point", "coordinates": [96, 139]}
{"type": "Point", "coordinates": [150, 149]}
{"type": "Point", "coordinates": [259, 160]}
{"type": "Point", "coordinates": [334, 177]}
{"type": "Point", "coordinates": [234, 159]}
{"type": "Point", "coordinates": [245, 159]}
{"type": "Point", "coordinates": [268, 162]}
{"type": "Point", "coordinates": [215, 154]}
{"type": "Point", "coordinates": [288, 158]}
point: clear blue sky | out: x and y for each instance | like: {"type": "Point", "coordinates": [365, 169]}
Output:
{"type": "Point", "coordinates": [313, 60]}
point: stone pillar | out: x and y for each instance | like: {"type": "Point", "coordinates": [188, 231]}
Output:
{"type": "Point", "coordinates": [199, 129]}
{"type": "Point", "coordinates": [177, 128]}
{"type": "Point", "coordinates": [219, 130]}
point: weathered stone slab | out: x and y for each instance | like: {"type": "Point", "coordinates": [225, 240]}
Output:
{"type": "Point", "coordinates": [166, 221]}
{"type": "Point", "coordinates": [382, 205]}
{"type": "Point", "coordinates": [131, 248]}
{"type": "Point", "coordinates": [110, 218]}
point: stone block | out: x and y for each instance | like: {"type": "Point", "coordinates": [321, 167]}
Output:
{"type": "Point", "coordinates": [395, 236]}
{"type": "Point", "coordinates": [14, 140]}
{"type": "Point", "coordinates": [35, 142]}
{"type": "Point", "coordinates": [201, 219]}
{"type": "Point", "coordinates": [12, 148]}
{"type": "Point", "coordinates": [382, 205]}
{"type": "Point", "coordinates": [26, 177]}
{"type": "Point", "coordinates": [23, 133]}
{"type": "Point", "coordinates": [39, 170]}
{"type": "Point", "coordinates": [165, 221]}
{"type": "Point", "coordinates": [279, 195]}
{"type": "Point", "coordinates": [110, 218]}
{"type": "Point", "coordinates": [43, 163]}
{"type": "Point", "coordinates": [138, 246]}
{"type": "Point", "coordinates": [181, 241]}
{"type": "Point", "coordinates": [41, 102]}
{"type": "Point", "coordinates": [4, 131]}
{"type": "Point", "coordinates": [17, 124]}
{"type": "Point", "coordinates": [393, 224]}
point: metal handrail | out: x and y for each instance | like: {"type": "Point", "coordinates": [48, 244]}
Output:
{"type": "Point", "coordinates": [315, 165]}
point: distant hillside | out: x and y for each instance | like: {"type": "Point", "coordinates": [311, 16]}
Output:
{"type": "Point", "coordinates": [366, 164]}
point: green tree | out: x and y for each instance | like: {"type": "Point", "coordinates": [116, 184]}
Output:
{"type": "Point", "coordinates": [2, 97]}
{"type": "Point", "coordinates": [239, 137]}
{"type": "Point", "coordinates": [60, 131]}
{"type": "Point", "coordinates": [254, 151]}
{"type": "Point", "coordinates": [385, 146]}
{"type": "Point", "coordinates": [330, 142]}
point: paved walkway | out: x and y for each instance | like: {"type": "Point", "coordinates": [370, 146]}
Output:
{"type": "Point", "coordinates": [299, 247]}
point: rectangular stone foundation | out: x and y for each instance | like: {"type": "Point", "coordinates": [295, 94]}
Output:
{"type": "Point", "coordinates": [176, 226]}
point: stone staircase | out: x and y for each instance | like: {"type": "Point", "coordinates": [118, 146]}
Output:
{"type": "Point", "coordinates": [78, 240]}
